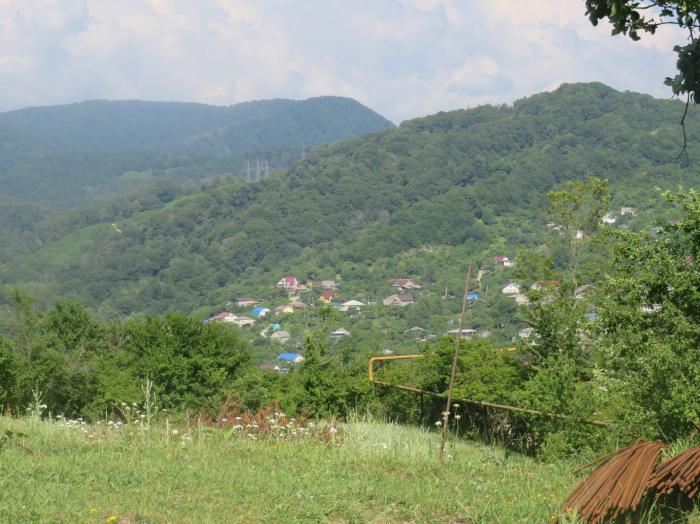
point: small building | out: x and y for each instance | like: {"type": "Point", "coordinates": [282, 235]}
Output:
{"type": "Point", "coordinates": [351, 304]}
{"type": "Point", "coordinates": [284, 309]}
{"type": "Point", "coordinates": [581, 291]}
{"type": "Point", "coordinates": [327, 296]}
{"type": "Point", "coordinates": [608, 219]}
{"type": "Point", "coordinates": [281, 336]}
{"type": "Point", "coordinates": [521, 299]}
{"type": "Point", "coordinates": [472, 296]}
{"type": "Point", "coordinates": [288, 282]}
{"type": "Point", "coordinates": [404, 283]}
{"type": "Point", "coordinates": [466, 332]}
{"type": "Point", "coordinates": [260, 311]}
{"type": "Point", "coordinates": [244, 321]}
{"type": "Point", "coordinates": [511, 289]}
{"type": "Point", "coordinates": [224, 316]}
{"type": "Point", "coordinates": [296, 305]}
{"type": "Point", "coordinates": [247, 302]}
{"type": "Point", "coordinates": [269, 367]}
{"type": "Point", "coordinates": [329, 284]}
{"type": "Point", "coordinates": [398, 300]}
{"type": "Point", "coordinates": [503, 261]}
{"type": "Point", "coordinates": [526, 332]}
{"type": "Point", "coordinates": [290, 357]}
{"type": "Point", "coordinates": [340, 333]}
{"type": "Point", "coordinates": [627, 211]}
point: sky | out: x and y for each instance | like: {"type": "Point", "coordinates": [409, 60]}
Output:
{"type": "Point", "coordinates": [402, 58]}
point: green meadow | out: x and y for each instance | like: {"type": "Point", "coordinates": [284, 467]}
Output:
{"type": "Point", "coordinates": [53, 471]}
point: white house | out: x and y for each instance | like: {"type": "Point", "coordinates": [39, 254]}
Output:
{"type": "Point", "coordinates": [351, 304]}
{"type": "Point", "coordinates": [526, 332]}
{"type": "Point", "coordinates": [466, 332]}
{"type": "Point", "coordinates": [521, 299]}
{"type": "Point", "coordinates": [340, 333]}
{"type": "Point", "coordinates": [626, 211]}
{"type": "Point", "coordinates": [398, 300]}
{"type": "Point", "coordinates": [288, 282]}
{"type": "Point", "coordinates": [243, 321]}
{"type": "Point", "coordinates": [511, 289]}
{"type": "Point", "coordinates": [281, 336]}
{"type": "Point", "coordinates": [608, 219]}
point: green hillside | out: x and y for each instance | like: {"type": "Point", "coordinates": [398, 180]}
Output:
{"type": "Point", "coordinates": [63, 156]}
{"type": "Point", "coordinates": [136, 125]}
{"type": "Point", "coordinates": [420, 200]}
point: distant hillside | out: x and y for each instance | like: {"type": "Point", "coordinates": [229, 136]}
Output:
{"type": "Point", "coordinates": [172, 126]}
{"type": "Point", "coordinates": [422, 200]}
{"type": "Point", "coordinates": [63, 156]}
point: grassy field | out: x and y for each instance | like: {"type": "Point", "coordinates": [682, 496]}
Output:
{"type": "Point", "coordinates": [367, 472]}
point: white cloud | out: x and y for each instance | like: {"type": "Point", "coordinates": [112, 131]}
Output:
{"type": "Point", "coordinates": [403, 58]}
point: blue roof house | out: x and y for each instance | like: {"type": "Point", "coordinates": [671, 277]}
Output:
{"type": "Point", "coordinates": [290, 357]}
{"type": "Point", "coordinates": [473, 296]}
{"type": "Point", "coordinates": [260, 311]}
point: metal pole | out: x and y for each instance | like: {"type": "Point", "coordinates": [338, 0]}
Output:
{"type": "Point", "coordinates": [446, 413]}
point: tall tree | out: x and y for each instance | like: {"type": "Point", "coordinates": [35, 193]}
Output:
{"type": "Point", "coordinates": [632, 17]}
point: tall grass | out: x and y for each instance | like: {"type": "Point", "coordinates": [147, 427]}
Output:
{"type": "Point", "coordinates": [368, 472]}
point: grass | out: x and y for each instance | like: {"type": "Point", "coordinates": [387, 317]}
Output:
{"type": "Point", "coordinates": [370, 472]}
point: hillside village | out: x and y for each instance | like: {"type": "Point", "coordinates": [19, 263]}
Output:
{"type": "Point", "coordinates": [277, 325]}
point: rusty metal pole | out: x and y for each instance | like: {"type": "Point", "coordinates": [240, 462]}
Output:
{"type": "Point", "coordinates": [446, 413]}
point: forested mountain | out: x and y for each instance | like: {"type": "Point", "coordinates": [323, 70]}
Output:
{"type": "Point", "coordinates": [420, 200]}
{"type": "Point", "coordinates": [173, 126]}
{"type": "Point", "coordinates": [63, 156]}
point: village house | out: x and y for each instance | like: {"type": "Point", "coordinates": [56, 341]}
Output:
{"type": "Point", "coordinates": [284, 309]}
{"type": "Point", "coordinates": [247, 302]}
{"type": "Point", "coordinates": [224, 316]}
{"type": "Point", "coordinates": [297, 305]}
{"type": "Point", "coordinates": [340, 333]}
{"type": "Point", "coordinates": [398, 300]}
{"type": "Point", "coordinates": [466, 332]}
{"type": "Point", "coordinates": [581, 291]}
{"type": "Point", "coordinates": [511, 289]}
{"type": "Point", "coordinates": [626, 211]}
{"type": "Point", "coordinates": [351, 304]}
{"type": "Point", "coordinates": [404, 283]}
{"type": "Point", "coordinates": [521, 299]}
{"type": "Point", "coordinates": [288, 282]}
{"type": "Point", "coordinates": [526, 332]}
{"type": "Point", "coordinates": [269, 367]}
{"type": "Point", "coordinates": [243, 322]}
{"type": "Point", "coordinates": [503, 261]}
{"type": "Point", "coordinates": [281, 336]}
{"type": "Point", "coordinates": [541, 284]}
{"type": "Point", "coordinates": [329, 284]}
{"type": "Point", "coordinates": [472, 296]}
{"type": "Point", "coordinates": [260, 311]}
{"type": "Point", "coordinates": [290, 357]}
{"type": "Point", "coordinates": [608, 219]}
{"type": "Point", "coordinates": [327, 296]}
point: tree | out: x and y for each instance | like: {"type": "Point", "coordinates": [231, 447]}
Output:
{"type": "Point", "coordinates": [648, 331]}
{"type": "Point", "coordinates": [632, 17]}
{"type": "Point", "coordinates": [576, 210]}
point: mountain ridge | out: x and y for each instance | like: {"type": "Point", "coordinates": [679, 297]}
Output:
{"type": "Point", "coordinates": [467, 182]}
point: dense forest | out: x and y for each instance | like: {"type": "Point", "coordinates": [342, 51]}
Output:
{"type": "Point", "coordinates": [59, 157]}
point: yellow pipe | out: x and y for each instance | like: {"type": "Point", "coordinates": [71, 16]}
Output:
{"type": "Point", "coordinates": [370, 373]}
